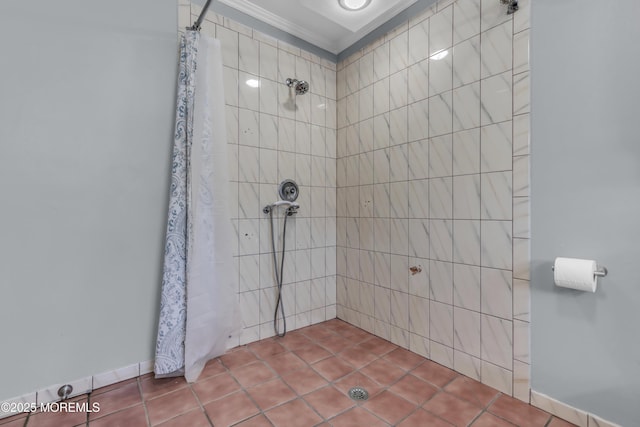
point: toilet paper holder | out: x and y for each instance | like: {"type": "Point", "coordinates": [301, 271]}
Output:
{"type": "Point", "coordinates": [600, 271]}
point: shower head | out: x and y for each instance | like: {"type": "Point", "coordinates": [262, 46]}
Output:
{"type": "Point", "coordinates": [301, 87]}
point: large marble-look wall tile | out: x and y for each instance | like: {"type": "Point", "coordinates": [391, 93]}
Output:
{"type": "Point", "coordinates": [433, 130]}
{"type": "Point", "coordinates": [272, 136]}
{"type": "Point", "coordinates": [466, 19]}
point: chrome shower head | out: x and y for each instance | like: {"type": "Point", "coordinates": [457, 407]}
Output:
{"type": "Point", "coordinates": [301, 87]}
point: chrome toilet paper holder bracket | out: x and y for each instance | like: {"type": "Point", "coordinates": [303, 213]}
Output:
{"type": "Point", "coordinates": [600, 271]}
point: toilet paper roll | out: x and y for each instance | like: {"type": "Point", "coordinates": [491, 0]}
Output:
{"type": "Point", "coordinates": [575, 274]}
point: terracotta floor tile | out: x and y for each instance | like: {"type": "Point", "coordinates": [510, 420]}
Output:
{"type": "Point", "coordinates": [131, 417]}
{"type": "Point", "coordinates": [341, 326]}
{"type": "Point", "coordinates": [355, 335]}
{"type": "Point", "coordinates": [357, 357]}
{"type": "Point", "coordinates": [383, 372]}
{"type": "Point", "coordinates": [358, 417]}
{"type": "Point", "coordinates": [377, 346]}
{"type": "Point", "coordinates": [257, 421]}
{"type": "Point", "coordinates": [213, 367]}
{"type": "Point", "coordinates": [456, 411]}
{"type": "Point", "coordinates": [238, 358]}
{"type": "Point", "coordinates": [253, 374]}
{"type": "Point", "coordinates": [195, 418]}
{"type": "Point", "coordinates": [328, 401]}
{"type": "Point", "coordinates": [170, 405]}
{"type": "Point", "coordinates": [557, 422]}
{"type": "Point", "coordinates": [337, 325]}
{"type": "Point", "coordinates": [116, 400]}
{"type": "Point", "coordinates": [312, 353]}
{"type": "Point", "coordinates": [260, 384]}
{"type": "Point", "coordinates": [294, 340]}
{"type": "Point", "coordinates": [404, 359]}
{"type": "Point", "coordinates": [266, 348]}
{"type": "Point", "coordinates": [304, 380]}
{"type": "Point", "coordinates": [422, 418]}
{"type": "Point", "coordinates": [215, 387]}
{"type": "Point", "coordinates": [472, 391]}
{"type": "Point", "coordinates": [434, 373]}
{"type": "Point", "coordinates": [518, 412]}
{"type": "Point", "coordinates": [270, 394]}
{"type": "Point", "coordinates": [317, 332]}
{"type": "Point", "coordinates": [14, 419]}
{"type": "Point", "coordinates": [285, 363]}
{"type": "Point", "coordinates": [414, 389]}
{"type": "Point", "coordinates": [336, 344]}
{"type": "Point", "coordinates": [488, 420]}
{"type": "Point", "coordinates": [390, 407]}
{"type": "Point", "coordinates": [357, 379]}
{"type": "Point", "coordinates": [293, 414]}
{"type": "Point", "coordinates": [231, 409]}
{"type": "Point", "coordinates": [332, 368]}
{"type": "Point", "coordinates": [152, 387]}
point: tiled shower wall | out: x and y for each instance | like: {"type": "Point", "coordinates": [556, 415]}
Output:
{"type": "Point", "coordinates": [432, 198]}
{"type": "Point", "coordinates": [272, 136]}
{"type": "Point", "coordinates": [432, 173]}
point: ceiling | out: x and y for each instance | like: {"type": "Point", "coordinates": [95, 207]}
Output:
{"type": "Point", "coordinates": [323, 23]}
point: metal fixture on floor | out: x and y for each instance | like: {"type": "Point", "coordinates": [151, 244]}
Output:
{"type": "Point", "coordinates": [65, 391]}
{"type": "Point", "coordinates": [288, 191]}
{"type": "Point", "coordinates": [512, 5]}
{"type": "Point", "coordinates": [358, 394]}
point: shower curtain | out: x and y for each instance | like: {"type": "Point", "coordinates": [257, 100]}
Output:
{"type": "Point", "coordinates": [199, 315]}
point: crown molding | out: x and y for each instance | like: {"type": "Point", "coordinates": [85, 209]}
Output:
{"type": "Point", "coordinates": [276, 21]}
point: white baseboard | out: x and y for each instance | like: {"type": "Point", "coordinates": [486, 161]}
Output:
{"type": "Point", "coordinates": [567, 412]}
{"type": "Point", "coordinates": [80, 386]}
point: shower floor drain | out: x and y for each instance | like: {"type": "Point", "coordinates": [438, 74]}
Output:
{"type": "Point", "coordinates": [358, 393]}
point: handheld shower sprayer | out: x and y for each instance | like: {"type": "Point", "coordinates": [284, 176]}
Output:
{"type": "Point", "coordinates": [288, 191]}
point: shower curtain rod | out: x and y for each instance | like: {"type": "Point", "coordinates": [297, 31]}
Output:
{"type": "Point", "coordinates": [197, 24]}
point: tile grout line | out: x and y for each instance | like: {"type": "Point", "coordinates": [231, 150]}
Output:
{"type": "Point", "coordinates": [143, 400]}
{"type": "Point", "coordinates": [200, 405]}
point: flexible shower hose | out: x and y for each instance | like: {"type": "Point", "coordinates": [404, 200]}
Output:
{"type": "Point", "coordinates": [279, 274]}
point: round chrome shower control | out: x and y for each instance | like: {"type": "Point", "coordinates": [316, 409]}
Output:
{"type": "Point", "coordinates": [288, 190]}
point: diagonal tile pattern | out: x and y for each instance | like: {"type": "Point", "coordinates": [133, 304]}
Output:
{"type": "Point", "coordinates": [302, 381]}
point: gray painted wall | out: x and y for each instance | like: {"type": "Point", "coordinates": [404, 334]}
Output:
{"type": "Point", "coordinates": [586, 203]}
{"type": "Point", "coordinates": [86, 122]}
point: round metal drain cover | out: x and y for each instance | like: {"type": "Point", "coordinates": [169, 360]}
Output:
{"type": "Point", "coordinates": [358, 393]}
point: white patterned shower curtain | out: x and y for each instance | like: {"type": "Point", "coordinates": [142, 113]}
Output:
{"type": "Point", "coordinates": [199, 309]}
